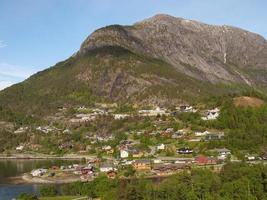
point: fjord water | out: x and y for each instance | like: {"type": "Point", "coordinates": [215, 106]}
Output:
{"type": "Point", "coordinates": [11, 184]}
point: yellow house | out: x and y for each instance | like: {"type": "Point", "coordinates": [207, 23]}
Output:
{"type": "Point", "coordinates": [142, 164]}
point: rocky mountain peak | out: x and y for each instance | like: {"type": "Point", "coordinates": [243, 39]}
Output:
{"type": "Point", "coordinates": [206, 52]}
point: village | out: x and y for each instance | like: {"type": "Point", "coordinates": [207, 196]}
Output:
{"type": "Point", "coordinates": [163, 150]}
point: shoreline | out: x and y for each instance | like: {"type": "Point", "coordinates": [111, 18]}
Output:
{"type": "Point", "coordinates": [45, 157]}
{"type": "Point", "coordinates": [37, 180]}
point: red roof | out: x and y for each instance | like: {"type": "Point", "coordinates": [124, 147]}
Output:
{"type": "Point", "coordinates": [202, 159]}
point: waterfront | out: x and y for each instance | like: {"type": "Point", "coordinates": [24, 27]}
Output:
{"type": "Point", "coordinates": [11, 185]}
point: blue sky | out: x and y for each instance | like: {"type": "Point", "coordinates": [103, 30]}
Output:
{"type": "Point", "coordinates": [36, 34]}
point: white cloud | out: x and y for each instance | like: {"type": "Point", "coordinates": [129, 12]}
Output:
{"type": "Point", "coordinates": [15, 71]}
{"type": "Point", "coordinates": [5, 84]}
{"type": "Point", "coordinates": [11, 74]}
{"type": "Point", "coordinates": [2, 44]}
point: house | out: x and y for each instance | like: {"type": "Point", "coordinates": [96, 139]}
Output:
{"type": "Point", "coordinates": [86, 177]}
{"type": "Point", "coordinates": [21, 130]}
{"type": "Point", "coordinates": [111, 174]}
{"type": "Point", "coordinates": [38, 172]}
{"type": "Point", "coordinates": [178, 134]}
{"type": "Point", "coordinates": [67, 131]}
{"type": "Point", "coordinates": [251, 157]}
{"type": "Point", "coordinates": [164, 134]}
{"type": "Point", "coordinates": [142, 164]}
{"type": "Point", "coordinates": [153, 113]}
{"type": "Point", "coordinates": [124, 154]}
{"type": "Point", "coordinates": [172, 160]}
{"type": "Point", "coordinates": [136, 153]}
{"type": "Point", "coordinates": [164, 170]}
{"type": "Point", "coordinates": [161, 147]}
{"type": "Point", "coordinates": [223, 153]}
{"type": "Point", "coordinates": [169, 130]}
{"type": "Point", "coordinates": [120, 116]}
{"type": "Point", "coordinates": [55, 167]}
{"type": "Point", "coordinates": [187, 108]}
{"type": "Point", "coordinates": [184, 151]}
{"type": "Point", "coordinates": [157, 161]}
{"type": "Point", "coordinates": [211, 114]}
{"type": "Point", "coordinates": [200, 134]}
{"type": "Point", "coordinates": [203, 160]}
{"type": "Point", "coordinates": [87, 170]}
{"type": "Point", "coordinates": [81, 108]}
{"type": "Point", "coordinates": [214, 136]}
{"type": "Point", "coordinates": [107, 166]}
{"type": "Point", "coordinates": [20, 148]}
{"type": "Point", "coordinates": [46, 129]}
{"type": "Point", "coordinates": [263, 156]}
{"type": "Point", "coordinates": [108, 149]}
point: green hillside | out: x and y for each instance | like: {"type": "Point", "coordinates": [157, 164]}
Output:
{"type": "Point", "coordinates": [109, 74]}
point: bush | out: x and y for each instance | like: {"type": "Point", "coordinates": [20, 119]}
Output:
{"type": "Point", "coordinates": [48, 191]}
{"type": "Point", "coordinates": [25, 196]}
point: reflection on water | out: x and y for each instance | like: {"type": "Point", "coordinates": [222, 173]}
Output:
{"type": "Point", "coordinates": [8, 192]}
{"type": "Point", "coordinates": [13, 168]}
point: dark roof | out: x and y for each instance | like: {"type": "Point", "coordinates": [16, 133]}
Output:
{"type": "Point", "coordinates": [143, 161]}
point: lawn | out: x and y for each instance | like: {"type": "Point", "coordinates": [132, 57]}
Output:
{"type": "Point", "coordinates": [62, 198]}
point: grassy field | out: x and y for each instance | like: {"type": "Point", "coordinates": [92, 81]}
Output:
{"type": "Point", "coordinates": [62, 198]}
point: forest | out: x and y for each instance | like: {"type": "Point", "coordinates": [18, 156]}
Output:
{"type": "Point", "coordinates": [236, 181]}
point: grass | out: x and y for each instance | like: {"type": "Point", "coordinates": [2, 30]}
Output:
{"type": "Point", "coordinates": [61, 198]}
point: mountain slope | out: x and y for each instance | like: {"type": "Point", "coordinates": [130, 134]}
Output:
{"type": "Point", "coordinates": [105, 74]}
{"type": "Point", "coordinates": [212, 53]}
{"type": "Point", "coordinates": [162, 60]}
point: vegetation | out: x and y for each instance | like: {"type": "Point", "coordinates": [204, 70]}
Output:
{"type": "Point", "coordinates": [246, 127]}
{"type": "Point", "coordinates": [88, 79]}
{"type": "Point", "coordinates": [236, 181]}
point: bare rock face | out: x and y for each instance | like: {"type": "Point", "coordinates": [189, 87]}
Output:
{"type": "Point", "coordinates": [218, 54]}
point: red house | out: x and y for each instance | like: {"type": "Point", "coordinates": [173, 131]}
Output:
{"type": "Point", "coordinates": [203, 160]}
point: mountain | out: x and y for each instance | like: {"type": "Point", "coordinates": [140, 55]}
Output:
{"type": "Point", "coordinates": [211, 53]}
{"type": "Point", "coordinates": [161, 60]}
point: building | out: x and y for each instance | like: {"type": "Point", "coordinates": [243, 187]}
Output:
{"type": "Point", "coordinates": [214, 136]}
{"type": "Point", "coordinates": [124, 154]}
{"type": "Point", "coordinates": [187, 108]}
{"type": "Point", "coordinates": [203, 160]}
{"type": "Point", "coordinates": [200, 134]}
{"type": "Point", "coordinates": [153, 113]}
{"type": "Point", "coordinates": [223, 153]}
{"type": "Point", "coordinates": [120, 116]}
{"type": "Point", "coordinates": [185, 151]}
{"type": "Point", "coordinates": [211, 114]}
{"type": "Point", "coordinates": [20, 148]}
{"type": "Point", "coordinates": [107, 166]}
{"type": "Point", "coordinates": [164, 170]}
{"type": "Point", "coordinates": [161, 147]}
{"type": "Point", "coordinates": [142, 164]}
{"type": "Point", "coordinates": [38, 172]}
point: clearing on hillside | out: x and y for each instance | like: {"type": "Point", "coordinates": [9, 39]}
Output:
{"type": "Point", "coordinates": [246, 101]}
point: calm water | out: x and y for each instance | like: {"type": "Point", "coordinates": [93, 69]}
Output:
{"type": "Point", "coordinates": [14, 168]}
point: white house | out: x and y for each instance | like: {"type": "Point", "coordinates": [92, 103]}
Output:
{"type": "Point", "coordinates": [120, 116]}
{"type": "Point", "coordinates": [157, 161]}
{"type": "Point", "coordinates": [211, 114]}
{"type": "Point", "coordinates": [38, 172]}
{"type": "Point", "coordinates": [151, 113]}
{"type": "Point", "coordinates": [161, 147]}
{"type": "Point", "coordinates": [223, 153]}
{"type": "Point", "coordinates": [186, 108]}
{"type": "Point", "coordinates": [106, 148]}
{"type": "Point", "coordinates": [21, 130]}
{"type": "Point", "coordinates": [20, 148]}
{"type": "Point", "coordinates": [124, 154]}
{"type": "Point", "coordinates": [199, 134]}
{"type": "Point", "coordinates": [107, 167]}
